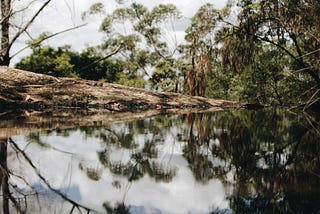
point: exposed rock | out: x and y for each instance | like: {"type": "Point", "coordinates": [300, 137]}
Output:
{"type": "Point", "coordinates": [27, 90]}
{"type": "Point", "coordinates": [32, 102]}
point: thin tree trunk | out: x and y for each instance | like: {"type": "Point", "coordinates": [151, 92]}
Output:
{"type": "Point", "coordinates": [6, 43]}
{"type": "Point", "coordinates": [5, 26]}
{"type": "Point", "coordinates": [4, 175]}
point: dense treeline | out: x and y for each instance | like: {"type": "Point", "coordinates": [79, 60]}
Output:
{"type": "Point", "coordinates": [64, 62]}
{"type": "Point", "coordinates": [257, 51]}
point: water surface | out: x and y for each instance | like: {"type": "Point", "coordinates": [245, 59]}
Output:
{"type": "Point", "coordinates": [238, 161]}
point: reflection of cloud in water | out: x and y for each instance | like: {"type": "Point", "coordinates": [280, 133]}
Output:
{"type": "Point", "coordinates": [72, 191]}
{"type": "Point", "coordinates": [143, 210]}
{"type": "Point", "coordinates": [182, 195]}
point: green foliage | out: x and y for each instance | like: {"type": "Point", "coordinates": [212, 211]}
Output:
{"type": "Point", "coordinates": [268, 53]}
{"type": "Point", "coordinates": [97, 8]}
{"type": "Point", "coordinates": [274, 48]}
{"type": "Point", "coordinates": [34, 43]}
{"type": "Point", "coordinates": [164, 76]}
{"type": "Point", "coordinates": [143, 49]}
{"type": "Point", "coordinates": [63, 62]}
{"type": "Point", "coordinates": [48, 60]}
{"type": "Point", "coordinates": [88, 66]}
{"type": "Point", "coordinates": [220, 83]}
{"type": "Point", "coordinates": [137, 82]}
{"type": "Point", "coordinates": [106, 25]}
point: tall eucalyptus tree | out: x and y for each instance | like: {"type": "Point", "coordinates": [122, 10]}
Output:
{"type": "Point", "coordinates": [199, 50]}
{"type": "Point", "coordinates": [136, 33]}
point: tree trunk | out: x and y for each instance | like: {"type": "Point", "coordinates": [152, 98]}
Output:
{"type": "Point", "coordinates": [4, 175]}
{"type": "Point", "coordinates": [5, 26]}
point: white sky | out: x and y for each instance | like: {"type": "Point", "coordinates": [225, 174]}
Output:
{"type": "Point", "coordinates": [63, 14]}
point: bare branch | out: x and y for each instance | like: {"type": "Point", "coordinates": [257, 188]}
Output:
{"type": "Point", "coordinates": [24, 8]}
{"type": "Point", "coordinates": [62, 195]}
{"type": "Point", "coordinates": [309, 53]}
{"type": "Point", "coordinates": [103, 58]}
{"type": "Point", "coordinates": [28, 24]}
{"type": "Point", "coordinates": [47, 37]}
{"type": "Point", "coordinates": [312, 101]}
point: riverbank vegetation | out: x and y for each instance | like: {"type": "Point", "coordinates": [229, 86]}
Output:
{"type": "Point", "coordinates": [264, 52]}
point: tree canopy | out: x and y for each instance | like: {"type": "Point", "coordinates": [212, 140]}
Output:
{"type": "Point", "coordinates": [265, 52]}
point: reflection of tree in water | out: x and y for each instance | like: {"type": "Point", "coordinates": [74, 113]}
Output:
{"type": "Point", "coordinates": [143, 158]}
{"type": "Point", "coordinates": [272, 154]}
{"type": "Point", "coordinates": [122, 137]}
{"type": "Point", "coordinates": [4, 176]}
{"type": "Point", "coordinates": [271, 144]}
{"type": "Point", "coordinates": [198, 138]}
{"type": "Point", "coordinates": [142, 161]}
{"type": "Point", "coordinates": [18, 197]}
{"type": "Point", "coordinates": [119, 208]}
{"type": "Point", "coordinates": [278, 202]}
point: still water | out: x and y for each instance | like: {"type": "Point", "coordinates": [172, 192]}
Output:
{"type": "Point", "coordinates": [238, 161]}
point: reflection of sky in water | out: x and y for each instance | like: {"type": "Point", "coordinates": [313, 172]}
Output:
{"type": "Point", "coordinates": [196, 163]}
{"type": "Point", "coordinates": [59, 163]}
{"type": "Point", "coordinates": [70, 191]}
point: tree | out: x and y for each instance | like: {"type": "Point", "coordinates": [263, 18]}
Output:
{"type": "Point", "coordinates": [11, 31]}
{"type": "Point", "coordinates": [290, 27]}
{"type": "Point", "coordinates": [143, 159]}
{"type": "Point", "coordinates": [199, 49]}
{"type": "Point", "coordinates": [64, 62]}
{"type": "Point", "coordinates": [138, 33]}
{"type": "Point", "coordinates": [48, 60]}
{"type": "Point", "coordinates": [266, 161]}
{"type": "Point", "coordinates": [6, 40]}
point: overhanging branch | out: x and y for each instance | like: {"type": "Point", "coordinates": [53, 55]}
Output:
{"type": "Point", "coordinates": [28, 24]}
{"type": "Point", "coordinates": [103, 58]}
{"type": "Point", "coordinates": [298, 59]}
{"type": "Point", "coordinates": [42, 178]}
{"type": "Point", "coordinates": [47, 37]}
